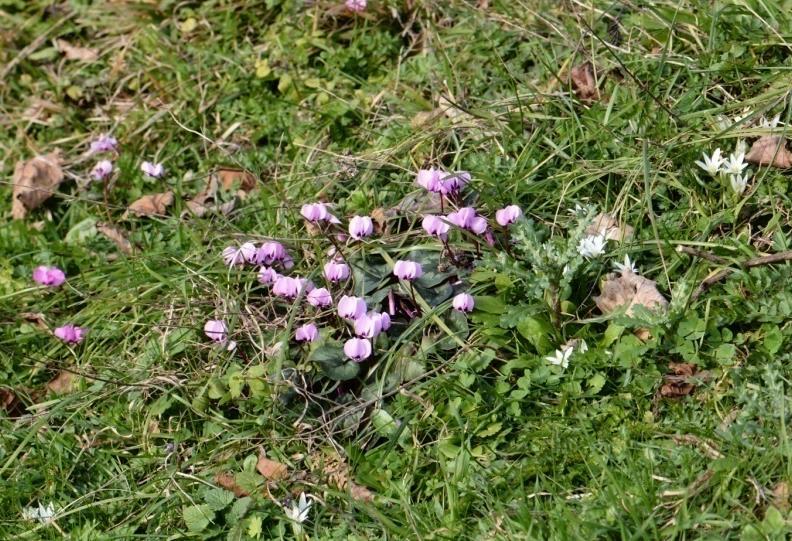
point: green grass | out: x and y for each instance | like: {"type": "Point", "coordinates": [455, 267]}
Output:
{"type": "Point", "coordinates": [492, 442]}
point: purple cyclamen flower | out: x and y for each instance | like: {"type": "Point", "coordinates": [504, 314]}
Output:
{"type": "Point", "coordinates": [307, 333]}
{"type": "Point", "coordinates": [357, 349]}
{"type": "Point", "coordinates": [463, 302]}
{"type": "Point", "coordinates": [234, 256]}
{"type": "Point", "coordinates": [320, 297]}
{"type": "Point", "coordinates": [360, 226]}
{"type": "Point", "coordinates": [435, 226]}
{"type": "Point", "coordinates": [103, 143]}
{"type": "Point", "coordinates": [429, 179]}
{"type": "Point", "coordinates": [508, 215]}
{"type": "Point", "coordinates": [216, 330]}
{"type": "Point", "coordinates": [407, 270]}
{"type": "Point", "coordinates": [270, 252]}
{"type": "Point", "coordinates": [453, 182]}
{"type": "Point", "coordinates": [466, 218]}
{"type": "Point", "coordinates": [102, 170]}
{"type": "Point", "coordinates": [155, 170]}
{"type": "Point", "coordinates": [317, 212]}
{"type": "Point", "coordinates": [356, 5]}
{"type": "Point", "coordinates": [351, 307]}
{"type": "Point", "coordinates": [71, 334]}
{"type": "Point", "coordinates": [336, 272]}
{"type": "Point", "coordinates": [267, 275]}
{"type": "Point", "coordinates": [48, 276]}
{"type": "Point", "coordinates": [371, 324]}
{"type": "Point", "coordinates": [286, 286]}
{"type": "Point", "coordinates": [478, 225]}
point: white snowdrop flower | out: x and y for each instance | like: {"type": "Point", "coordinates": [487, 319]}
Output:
{"type": "Point", "coordinates": [735, 163]}
{"type": "Point", "coordinates": [592, 246]}
{"type": "Point", "coordinates": [561, 357]}
{"type": "Point", "coordinates": [712, 164]}
{"type": "Point", "coordinates": [628, 265]}
{"type": "Point", "coordinates": [738, 183]}
{"type": "Point", "coordinates": [41, 513]}
{"type": "Point", "coordinates": [583, 346]}
{"type": "Point", "coordinates": [299, 509]}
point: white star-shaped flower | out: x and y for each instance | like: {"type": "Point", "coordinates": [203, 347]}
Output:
{"type": "Point", "coordinates": [592, 246]}
{"type": "Point", "coordinates": [712, 164]}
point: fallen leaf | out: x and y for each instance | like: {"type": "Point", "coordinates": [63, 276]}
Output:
{"type": "Point", "coordinates": [423, 118]}
{"type": "Point", "coordinates": [708, 448]}
{"type": "Point", "coordinates": [770, 150]}
{"type": "Point", "coordinates": [36, 318]}
{"type": "Point", "coordinates": [628, 290]}
{"type": "Point", "coordinates": [780, 498]}
{"type": "Point", "coordinates": [116, 235]}
{"type": "Point", "coordinates": [242, 180]}
{"type": "Point", "coordinates": [34, 182]}
{"type": "Point", "coordinates": [8, 400]}
{"type": "Point", "coordinates": [271, 470]}
{"type": "Point", "coordinates": [677, 383]}
{"type": "Point", "coordinates": [336, 472]}
{"type": "Point", "coordinates": [380, 219]}
{"type": "Point", "coordinates": [150, 205]}
{"type": "Point", "coordinates": [228, 482]}
{"type": "Point", "coordinates": [72, 52]}
{"type": "Point", "coordinates": [205, 201]}
{"type": "Point", "coordinates": [63, 383]}
{"type": "Point", "coordinates": [605, 224]}
{"type": "Point", "coordinates": [584, 82]}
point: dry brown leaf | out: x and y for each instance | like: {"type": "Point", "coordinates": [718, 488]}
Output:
{"type": "Point", "coordinates": [380, 219]}
{"type": "Point", "coordinates": [584, 82]}
{"type": "Point", "coordinates": [628, 290]}
{"type": "Point", "coordinates": [708, 448]}
{"type": "Point", "coordinates": [116, 235]}
{"type": "Point", "coordinates": [63, 383]}
{"type": "Point", "coordinates": [7, 399]}
{"type": "Point", "coordinates": [770, 150]}
{"type": "Point", "coordinates": [34, 182]}
{"type": "Point", "coordinates": [244, 181]}
{"type": "Point", "coordinates": [780, 498]}
{"type": "Point", "coordinates": [228, 482]}
{"type": "Point", "coordinates": [271, 470]}
{"type": "Point", "coordinates": [204, 201]}
{"type": "Point", "coordinates": [150, 205]}
{"type": "Point", "coordinates": [336, 471]}
{"type": "Point", "coordinates": [605, 224]}
{"type": "Point", "coordinates": [73, 52]}
{"type": "Point", "coordinates": [677, 382]}
{"type": "Point", "coordinates": [36, 318]}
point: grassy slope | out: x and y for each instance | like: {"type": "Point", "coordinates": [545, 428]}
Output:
{"type": "Point", "coordinates": [480, 461]}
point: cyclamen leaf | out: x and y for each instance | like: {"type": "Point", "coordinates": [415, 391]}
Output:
{"type": "Point", "coordinates": [197, 517]}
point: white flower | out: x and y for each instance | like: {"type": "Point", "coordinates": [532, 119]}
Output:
{"type": "Point", "coordinates": [712, 164]}
{"type": "Point", "coordinates": [741, 147]}
{"type": "Point", "coordinates": [592, 246]}
{"type": "Point", "coordinates": [626, 266]}
{"type": "Point", "coordinates": [40, 513]}
{"type": "Point", "coordinates": [561, 357]}
{"type": "Point", "coordinates": [772, 123]}
{"type": "Point", "coordinates": [738, 183]}
{"type": "Point", "coordinates": [583, 346]}
{"type": "Point", "coordinates": [735, 164]}
{"type": "Point", "coordinates": [298, 512]}
{"type": "Point", "coordinates": [577, 210]}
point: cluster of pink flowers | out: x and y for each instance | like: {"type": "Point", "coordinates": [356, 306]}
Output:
{"type": "Point", "coordinates": [55, 277]}
{"type": "Point", "coordinates": [356, 6]}
{"type": "Point", "coordinates": [104, 168]}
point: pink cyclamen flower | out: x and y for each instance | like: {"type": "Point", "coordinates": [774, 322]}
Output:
{"type": "Point", "coordinates": [319, 297]}
{"type": "Point", "coordinates": [216, 330]}
{"type": "Point", "coordinates": [267, 275]}
{"type": "Point", "coordinates": [270, 252]}
{"type": "Point", "coordinates": [357, 349]}
{"type": "Point", "coordinates": [286, 286]}
{"type": "Point", "coordinates": [463, 217]}
{"type": "Point", "coordinates": [371, 324]}
{"type": "Point", "coordinates": [430, 179]}
{"type": "Point", "coordinates": [508, 215]}
{"type": "Point", "coordinates": [48, 276]}
{"type": "Point", "coordinates": [356, 5]}
{"type": "Point", "coordinates": [435, 226]}
{"type": "Point", "coordinates": [234, 256]}
{"type": "Point", "coordinates": [407, 270]}
{"type": "Point", "coordinates": [71, 334]}
{"type": "Point", "coordinates": [317, 212]}
{"type": "Point", "coordinates": [155, 170]}
{"type": "Point", "coordinates": [478, 225]}
{"type": "Point", "coordinates": [360, 226]}
{"type": "Point", "coordinates": [102, 170]}
{"type": "Point", "coordinates": [307, 333]}
{"type": "Point", "coordinates": [463, 302]}
{"type": "Point", "coordinates": [103, 143]}
{"type": "Point", "coordinates": [453, 182]}
{"type": "Point", "coordinates": [336, 272]}
{"type": "Point", "coordinates": [351, 307]}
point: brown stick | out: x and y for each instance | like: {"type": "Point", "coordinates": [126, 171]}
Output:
{"type": "Point", "coordinates": [713, 279]}
{"type": "Point", "coordinates": [701, 254]}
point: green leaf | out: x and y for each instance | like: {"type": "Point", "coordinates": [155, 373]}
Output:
{"type": "Point", "coordinates": [239, 509]}
{"type": "Point", "coordinates": [436, 295]}
{"type": "Point", "coordinates": [536, 331]}
{"type": "Point", "coordinates": [197, 517]}
{"type": "Point", "coordinates": [254, 526]}
{"type": "Point", "coordinates": [333, 361]}
{"type": "Point", "coordinates": [595, 383]}
{"type": "Point", "coordinates": [218, 498]}
{"type": "Point", "coordinates": [236, 382]}
{"type": "Point", "coordinates": [81, 231]}
{"type": "Point", "coordinates": [489, 304]}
